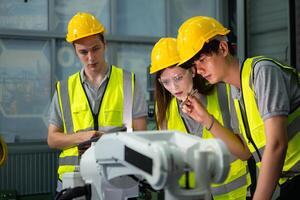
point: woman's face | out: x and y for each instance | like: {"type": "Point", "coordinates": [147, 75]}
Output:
{"type": "Point", "coordinates": [178, 81]}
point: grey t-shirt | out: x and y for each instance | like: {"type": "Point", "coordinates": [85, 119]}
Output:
{"type": "Point", "coordinates": [277, 91]}
{"type": "Point", "coordinates": [192, 125]}
{"type": "Point", "coordinates": [139, 108]}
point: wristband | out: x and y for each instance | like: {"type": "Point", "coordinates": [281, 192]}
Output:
{"type": "Point", "coordinates": [212, 123]}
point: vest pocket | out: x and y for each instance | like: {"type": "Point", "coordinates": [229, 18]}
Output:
{"type": "Point", "coordinates": [79, 108]}
{"type": "Point", "coordinates": [81, 116]}
{"type": "Point", "coordinates": [113, 118]}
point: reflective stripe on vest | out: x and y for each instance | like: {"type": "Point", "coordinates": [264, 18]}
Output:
{"type": "Point", "coordinates": [69, 160]}
{"type": "Point", "coordinates": [256, 124]}
{"type": "Point", "coordinates": [235, 185]}
{"type": "Point", "coordinates": [115, 110]}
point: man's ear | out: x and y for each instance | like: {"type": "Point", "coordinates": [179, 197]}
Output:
{"type": "Point", "coordinates": [105, 44]}
{"type": "Point", "coordinates": [194, 71]}
{"type": "Point", "coordinates": [223, 48]}
{"type": "Point", "coordinates": [74, 48]}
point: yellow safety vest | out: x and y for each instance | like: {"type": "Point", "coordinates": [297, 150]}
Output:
{"type": "Point", "coordinates": [77, 114]}
{"type": "Point", "coordinates": [235, 185]}
{"type": "Point", "coordinates": [252, 125]}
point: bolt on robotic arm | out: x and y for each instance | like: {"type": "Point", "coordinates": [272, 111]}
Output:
{"type": "Point", "coordinates": [159, 157]}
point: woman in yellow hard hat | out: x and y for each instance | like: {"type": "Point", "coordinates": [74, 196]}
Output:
{"type": "Point", "coordinates": [266, 101]}
{"type": "Point", "coordinates": [172, 86]}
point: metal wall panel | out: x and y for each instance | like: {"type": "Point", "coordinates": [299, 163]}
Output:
{"type": "Point", "coordinates": [297, 34]}
{"type": "Point", "coordinates": [30, 169]}
{"type": "Point", "coordinates": [267, 29]}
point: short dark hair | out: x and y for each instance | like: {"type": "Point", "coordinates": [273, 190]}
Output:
{"type": "Point", "coordinates": [207, 49]}
{"type": "Point", "coordinates": [101, 37]}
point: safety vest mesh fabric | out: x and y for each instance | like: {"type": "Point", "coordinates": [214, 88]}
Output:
{"type": "Point", "coordinates": [235, 185]}
{"type": "Point", "coordinates": [256, 124]}
{"type": "Point", "coordinates": [77, 114]}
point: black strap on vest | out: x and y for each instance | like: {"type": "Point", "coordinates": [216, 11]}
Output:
{"type": "Point", "coordinates": [251, 161]}
{"type": "Point", "coordinates": [95, 115]}
{"type": "Point", "coordinates": [252, 170]}
{"type": "Point", "coordinates": [245, 119]}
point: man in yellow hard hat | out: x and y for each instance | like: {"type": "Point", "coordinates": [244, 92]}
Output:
{"type": "Point", "coordinates": [97, 99]}
{"type": "Point", "coordinates": [171, 87]}
{"type": "Point", "coordinates": [266, 100]}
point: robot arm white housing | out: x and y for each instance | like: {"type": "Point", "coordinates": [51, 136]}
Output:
{"type": "Point", "coordinates": [160, 157]}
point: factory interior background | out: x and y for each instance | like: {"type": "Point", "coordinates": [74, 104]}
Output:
{"type": "Point", "coordinates": [34, 55]}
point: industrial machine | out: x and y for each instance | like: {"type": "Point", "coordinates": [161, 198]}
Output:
{"type": "Point", "coordinates": [3, 151]}
{"type": "Point", "coordinates": [114, 165]}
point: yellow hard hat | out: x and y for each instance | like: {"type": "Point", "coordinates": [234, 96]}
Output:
{"type": "Point", "coordinates": [3, 151]}
{"type": "Point", "coordinates": [194, 32]}
{"type": "Point", "coordinates": [164, 54]}
{"type": "Point", "coordinates": [82, 25]}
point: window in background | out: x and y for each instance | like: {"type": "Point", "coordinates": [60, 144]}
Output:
{"type": "Point", "coordinates": [182, 10]}
{"type": "Point", "coordinates": [64, 10]}
{"type": "Point", "coordinates": [24, 15]}
{"type": "Point", "coordinates": [134, 58]}
{"type": "Point", "coordinates": [139, 18]}
{"type": "Point", "coordinates": [67, 61]}
{"type": "Point", "coordinates": [232, 21]}
{"type": "Point", "coordinates": [267, 29]}
{"type": "Point", "coordinates": [30, 68]}
{"type": "Point", "coordinates": [25, 88]}
{"type": "Point", "coordinates": [295, 33]}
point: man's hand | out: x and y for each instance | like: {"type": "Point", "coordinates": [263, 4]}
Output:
{"type": "Point", "coordinates": [87, 136]}
{"type": "Point", "coordinates": [197, 111]}
{"type": "Point", "coordinates": [58, 139]}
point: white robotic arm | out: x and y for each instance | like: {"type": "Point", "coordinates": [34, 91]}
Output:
{"type": "Point", "coordinates": [160, 157]}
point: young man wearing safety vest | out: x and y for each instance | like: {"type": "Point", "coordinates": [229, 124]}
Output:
{"type": "Point", "coordinates": [172, 85]}
{"type": "Point", "coordinates": [99, 98]}
{"type": "Point", "coordinates": [266, 99]}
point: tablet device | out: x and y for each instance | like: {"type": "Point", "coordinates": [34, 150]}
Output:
{"type": "Point", "coordinates": [83, 145]}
